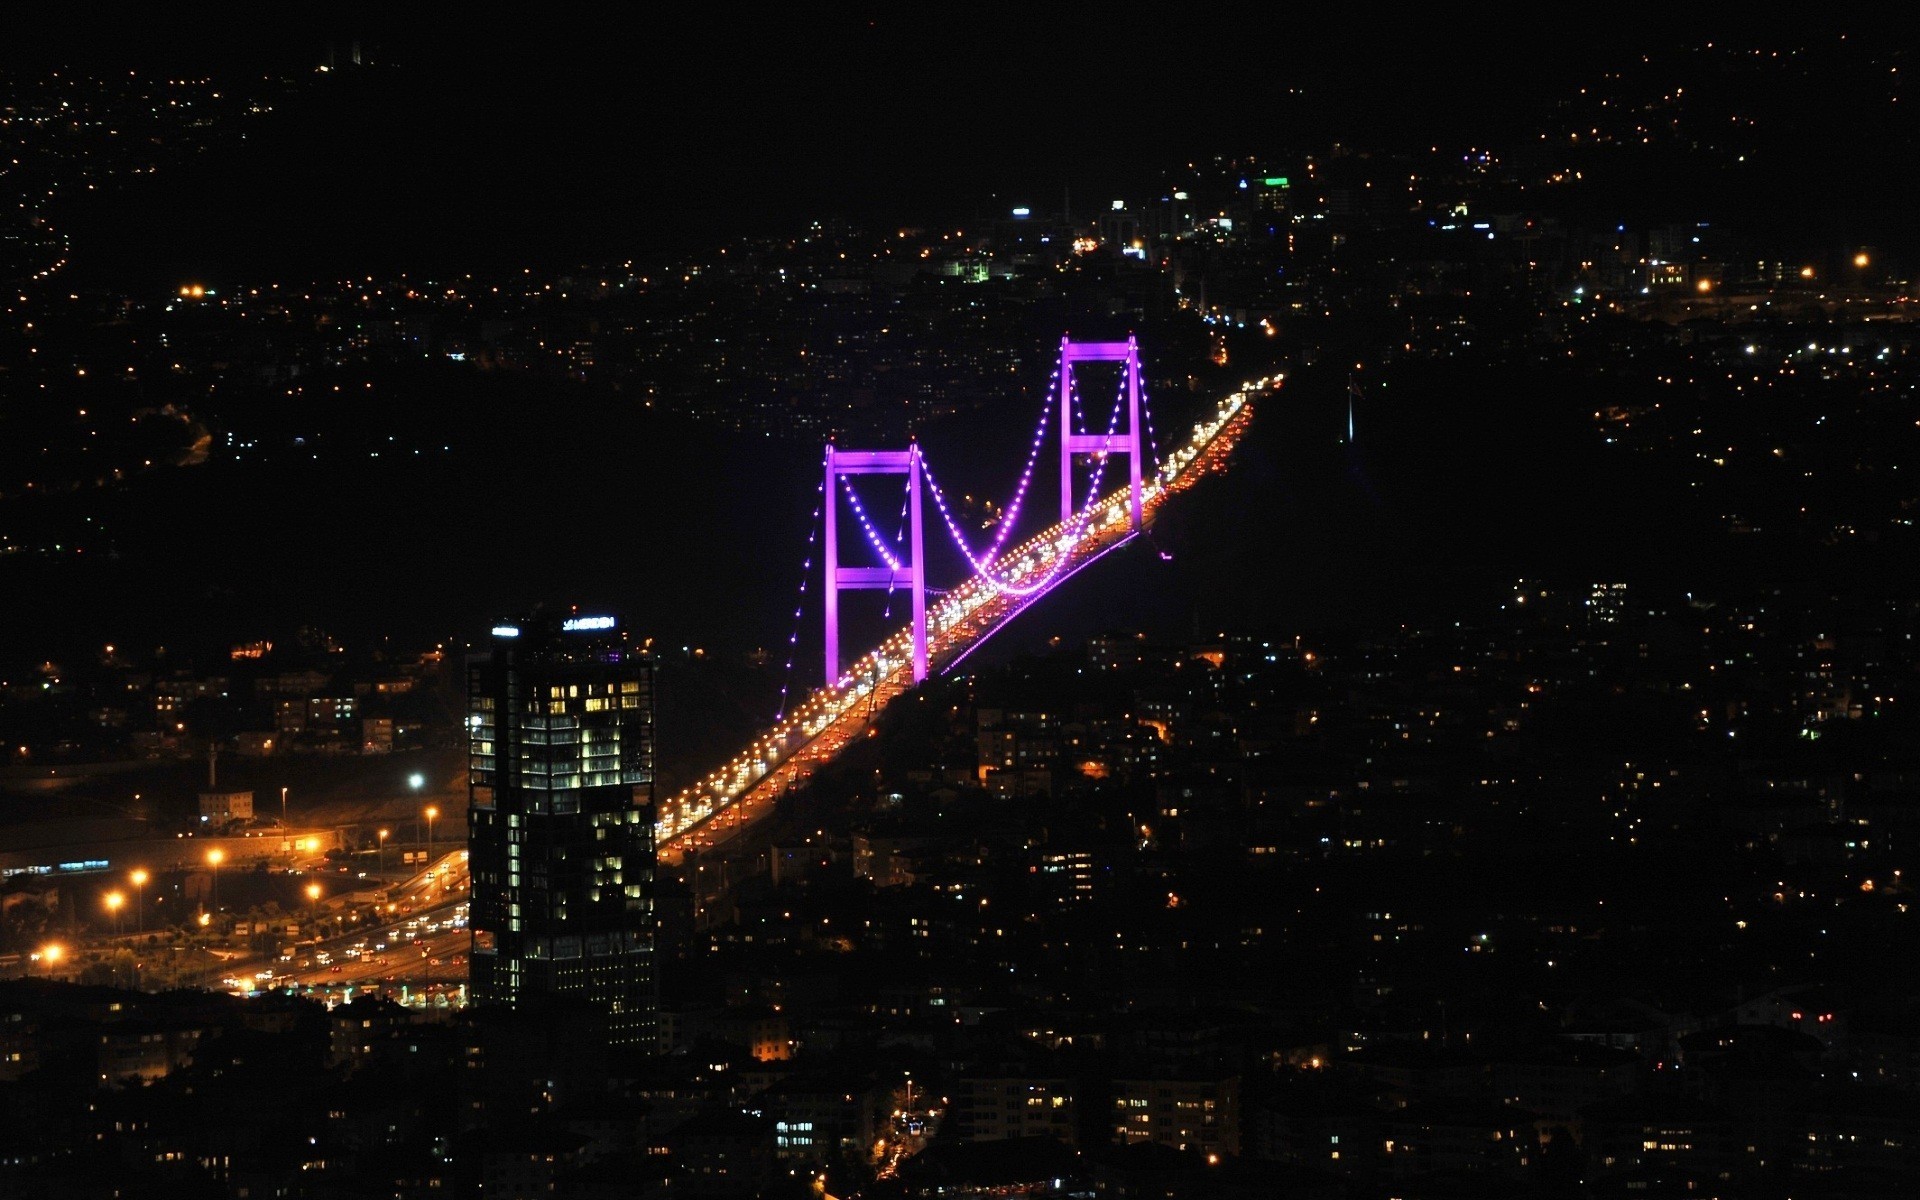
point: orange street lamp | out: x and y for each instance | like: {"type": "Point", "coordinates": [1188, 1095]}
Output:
{"type": "Point", "coordinates": [383, 850]}
{"type": "Point", "coordinates": [432, 812]}
{"type": "Point", "coordinates": [139, 878]}
{"type": "Point", "coordinates": [51, 954]}
{"type": "Point", "coordinates": [313, 898]}
{"type": "Point", "coordinates": [215, 857]}
{"type": "Point", "coordinates": [114, 900]}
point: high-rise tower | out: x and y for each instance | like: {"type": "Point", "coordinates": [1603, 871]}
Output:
{"type": "Point", "coordinates": [560, 823]}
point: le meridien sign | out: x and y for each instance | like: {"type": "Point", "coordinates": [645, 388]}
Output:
{"type": "Point", "coordinates": [570, 625]}
{"type": "Point", "coordinates": [82, 867]}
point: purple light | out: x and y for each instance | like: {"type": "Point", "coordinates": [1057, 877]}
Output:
{"type": "Point", "coordinates": [1073, 527]}
{"type": "Point", "coordinates": [1146, 411]}
{"type": "Point", "coordinates": [839, 464]}
{"type": "Point", "coordinates": [1011, 515]}
{"type": "Point", "coordinates": [1069, 532]}
{"type": "Point", "coordinates": [906, 502]}
{"type": "Point", "coordinates": [1073, 523]}
{"type": "Point", "coordinates": [1128, 354]}
{"type": "Point", "coordinates": [1002, 624]}
{"type": "Point", "coordinates": [806, 574]}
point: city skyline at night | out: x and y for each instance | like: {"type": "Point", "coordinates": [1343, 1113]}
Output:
{"type": "Point", "coordinates": [542, 657]}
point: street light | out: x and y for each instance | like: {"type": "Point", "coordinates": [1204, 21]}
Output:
{"type": "Point", "coordinates": [383, 851]}
{"type": "Point", "coordinates": [50, 954]}
{"type": "Point", "coordinates": [216, 857]}
{"type": "Point", "coordinates": [416, 781]}
{"type": "Point", "coordinates": [139, 878]}
{"type": "Point", "coordinates": [432, 812]}
{"type": "Point", "coordinates": [113, 901]}
{"type": "Point", "coordinates": [286, 842]}
{"type": "Point", "coordinates": [313, 900]}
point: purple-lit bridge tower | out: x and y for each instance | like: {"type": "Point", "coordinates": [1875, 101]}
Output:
{"type": "Point", "coordinates": [1125, 442]}
{"type": "Point", "coordinates": [912, 572]}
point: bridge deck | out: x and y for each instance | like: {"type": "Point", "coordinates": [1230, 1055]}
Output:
{"type": "Point", "coordinates": [832, 718]}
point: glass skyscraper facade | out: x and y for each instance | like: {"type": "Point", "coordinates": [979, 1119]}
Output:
{"type": "Point", "coordinates": [560, 823]}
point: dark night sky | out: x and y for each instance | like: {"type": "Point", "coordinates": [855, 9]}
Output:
{"type": "Point", "coordinates": [565, 133]}
{"type": "Point", "coordinates": [554, 127]}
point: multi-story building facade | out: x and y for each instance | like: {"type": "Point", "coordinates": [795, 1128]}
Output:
{"type": "Point", "coordinates": [560, 823]}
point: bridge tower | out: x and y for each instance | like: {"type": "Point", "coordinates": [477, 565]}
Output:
{"type": "Point", "coordinates": [913, 572]}
{"type": "Point", "coordinates": [1125, 442]}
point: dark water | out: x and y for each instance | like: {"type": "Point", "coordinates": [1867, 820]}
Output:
{"type": "Point", "coordinates": [677, 528]}
{"type": "Point", "coordinates": [1458, 484]}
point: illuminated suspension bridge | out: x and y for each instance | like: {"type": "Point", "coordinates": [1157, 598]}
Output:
{"type": "Point", "coordinates": [1005, 579]}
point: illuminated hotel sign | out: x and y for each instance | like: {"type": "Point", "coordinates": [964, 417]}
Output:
{"type": "Point", "coordinates": [582, 624]}
{"type": "Point", "coordinates": [506, 631]}
{"type": "Point", "coordinates": [84, 866]}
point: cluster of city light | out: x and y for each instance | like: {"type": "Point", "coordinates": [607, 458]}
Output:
{"type": "Point", "coordinates": [820, 722]}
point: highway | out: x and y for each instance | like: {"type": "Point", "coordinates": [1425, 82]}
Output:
{"type": "Point", "coordinates": [410, 945]}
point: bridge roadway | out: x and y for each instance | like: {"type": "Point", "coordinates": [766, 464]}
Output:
{"type": "Point", "coordinates": [711, 811]}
